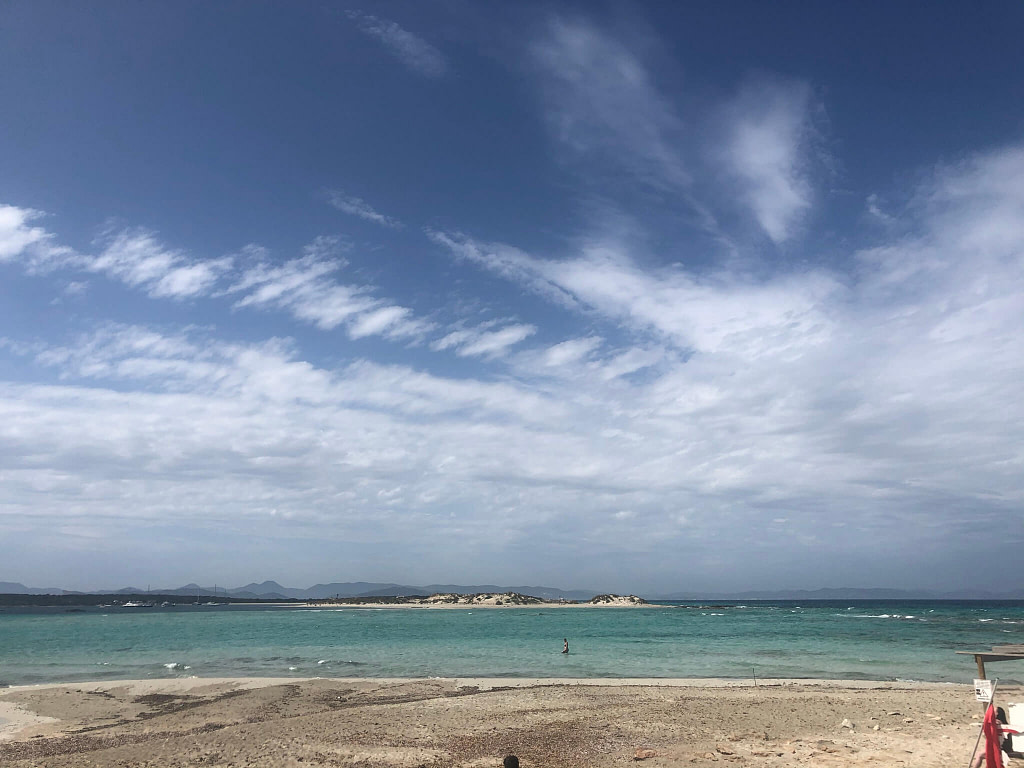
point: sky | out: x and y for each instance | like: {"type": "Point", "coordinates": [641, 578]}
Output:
{"type": "Point", "coordinates": [632, 297]}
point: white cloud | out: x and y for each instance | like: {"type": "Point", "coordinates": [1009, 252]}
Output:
{"type": "Point", "coordinates": [481, 342]}
{"type": "Point", "coordinates": [496, 342]}
{"type": "Point", "coordinates": [630, 361]}
{"type": "Point", "coordinates": [601, 99]}
{"type": "Point", "coordinates": [357, 207]}
{"type": "Point", "coordinates": [453, 339]}
{"type": "Point", "coordinates": [138, 259]}
{"type": "Point", "coordinates": [34, 246]}
{"type": "Point", "coordinates": [883, 397]}
{"type": "Point", "coordinates": [16, 236]}
{"type": "Point", "coordinates": [389, 321]}
{"type": "Point", "coordinates": [305, 287]}
{"type": "Point", "coordinates": [881, 391]}
{"type": "Point", "coordinates": [769, 136]}
{"type": "Point", "coordinates": [571, 351]}
{"type": "Point", "coordinates": [417, 54]}
{"type": "Point", "coordinates": [710, 313]}
{"type": "Point", "coordinates": [134, 257]}
{"type": "Point", "coordinates": [76, 288]}
{"type": "Point", "coordinates": [504, 260]}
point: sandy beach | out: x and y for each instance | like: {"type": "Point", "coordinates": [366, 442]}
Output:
{"type": "Point", "coordinates": [475, 722]}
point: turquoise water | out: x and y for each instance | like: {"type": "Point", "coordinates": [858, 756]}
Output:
{"type": "Point", "coordinates": [839, 640]}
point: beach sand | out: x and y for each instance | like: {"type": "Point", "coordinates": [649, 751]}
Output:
{"type": "Point", "coordinates": [475, 722]}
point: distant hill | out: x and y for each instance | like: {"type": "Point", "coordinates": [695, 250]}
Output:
{"type": "Point", "coordinates": [14, 588]}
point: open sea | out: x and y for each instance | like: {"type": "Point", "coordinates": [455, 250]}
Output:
{"type": "Point", "coordinates": [858, 640]}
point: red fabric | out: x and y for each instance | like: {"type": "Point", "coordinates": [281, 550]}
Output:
{"type": "Point", "coordinates": [993, 739]}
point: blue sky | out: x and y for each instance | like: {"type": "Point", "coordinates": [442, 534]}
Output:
{"type": "Point", "coordinates": [640, 297]}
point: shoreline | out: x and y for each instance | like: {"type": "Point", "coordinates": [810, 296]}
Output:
{"type": "Point", "coordinates": [491, 683]}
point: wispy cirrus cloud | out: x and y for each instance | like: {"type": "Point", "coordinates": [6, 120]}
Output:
{"type": "Point", "coordinates": [893, 381]}
{"type": "Point", "coordinates": [135, 257]}
{"type": "Point", "coordinates": [307, 289]}
{"type": "Point", "coordinates": [139, 259]}
{"type": "Point", "coordinates": [710, 312]}
{"type": "Point", "coordinates": [483, 342]}
{"type": "Point", "coordinates": [570, 352]}
{"type": "Point", "coordinates": [688, 400]}
{"type": "Point", "coordinates": [415, 53]}
{"type": "Point", "coordinates": [601, 100]}
{"type": "Point", "coordinates": [768, 149]}
{"type": "Point", "coordinates": [355, 206]}
{"type": "Point", "coordinates": [605, 109]}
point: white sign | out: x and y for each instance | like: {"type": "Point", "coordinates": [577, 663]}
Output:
{"type": "Point", "coordinates": [983, 690]}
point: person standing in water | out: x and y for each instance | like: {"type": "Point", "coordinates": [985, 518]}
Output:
{"type": "Point", "coordinates": [565, 648]}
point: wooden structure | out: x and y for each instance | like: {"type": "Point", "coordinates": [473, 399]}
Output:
{"type": "Point", "coordinates": [998, 653]}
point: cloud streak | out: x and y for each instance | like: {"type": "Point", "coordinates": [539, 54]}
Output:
{"type": "Point", "coordinates": [416, 54]}
{"type": "Point", "coordinates": [138, 259]}
{"type": "Point", "coordinates": [600, 100]}
{"type": "Point", "coordinates": [355, 206]}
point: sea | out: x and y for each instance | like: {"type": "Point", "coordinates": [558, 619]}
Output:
{"type": "Point", "coordinates": [852, 640]}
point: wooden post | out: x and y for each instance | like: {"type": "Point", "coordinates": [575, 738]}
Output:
{"type": "Point", "coordinates": [981, 666]}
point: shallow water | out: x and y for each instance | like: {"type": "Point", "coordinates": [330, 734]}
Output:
{"type": "Point", "coordinates": [906, 640]}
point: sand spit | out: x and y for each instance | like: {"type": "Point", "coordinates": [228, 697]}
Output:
{"type": "Point", "coordinates": [463, 723]}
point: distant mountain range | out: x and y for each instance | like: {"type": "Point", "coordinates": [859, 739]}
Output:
{"type": "Point", "coordinates": [271, 590]}
{"type": "Point", "coordinates": [845, 593]}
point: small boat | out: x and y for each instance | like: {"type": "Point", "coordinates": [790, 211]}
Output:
{"type": "Point", "coordinates": [138, 604]}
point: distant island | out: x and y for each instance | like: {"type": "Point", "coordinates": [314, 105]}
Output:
{"type": "Point", "coordinates": [78, 601]}
{"type": "Point", "coordinates": [482, 599]}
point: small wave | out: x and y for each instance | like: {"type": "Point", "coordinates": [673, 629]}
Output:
{"type": "Point", "coordinates": [292, 669]}
{"type": "Point", "coordinates": [322, 661]}
{"type": "Point", "coordinates": [172, 665]}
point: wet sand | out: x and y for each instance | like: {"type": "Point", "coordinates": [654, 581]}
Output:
{"type": "Point", "coordinates": [475, 722]}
